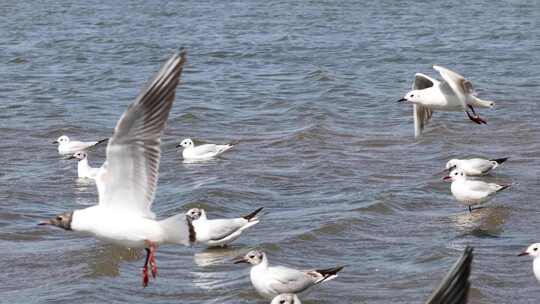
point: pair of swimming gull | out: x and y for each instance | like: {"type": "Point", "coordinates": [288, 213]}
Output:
{"type": "Point", "coordinates": [472, 192]}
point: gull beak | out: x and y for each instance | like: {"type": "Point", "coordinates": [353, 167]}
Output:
{"type": "Point", "coordinates": [239, 260]}
{"type": "Point", "coordinates": [71, 157]}
{"type": "Point", "coordinates": [178, 146]}
{"type": "Point", "coordinates": [402, 99]}
{"type": "Point", "coordinates": [43, 223]}
{"type": "Point", "coordinates": [447, 178]}
{"type": "Point", "coordinates": [55, 142]}
{"type": "Point", "coordinates": [523, 253]}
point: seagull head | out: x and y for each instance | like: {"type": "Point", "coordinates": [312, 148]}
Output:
{"type": "Point", "coordinates": [79, 155]}
{"type": "Point", "coordinates": [533, 250]}
{"type": "Point", "coordinates": [286, 298]}
{"type": "Point", "coordinates": [195, 213]}
{"type": "Point", "coordinates": [414, 96]}
{"type": "Point", "coordinates": [451, 164]}
{"type": "Point", "coordinates": [254, 257]}
{"type": "Point", "coordinates": [455, 175]}
{"type": "Point", "coordinates": [62, 220]}
{"type": "Point", "coordinates": [186, 143]}
{"type": "Point", "coordinates": [61, 140]}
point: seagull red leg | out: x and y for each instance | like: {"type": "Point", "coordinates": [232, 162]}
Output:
{"type": "Point", "coordinates": [151, 248]}
{"type": "Point", "coordinates": [145, 268]}
{"type": "Point", "coordinates": [475, 117]}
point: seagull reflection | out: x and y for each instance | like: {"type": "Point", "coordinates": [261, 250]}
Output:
{"type": "Point", "coordinates": [483, 221]}
{"type": "Point", "coordinates": [105, 262]}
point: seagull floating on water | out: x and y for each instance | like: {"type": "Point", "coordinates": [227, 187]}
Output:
{"type": "Point", "coordinates": [270, 281]}
{"type": "Point", "coordinates": [219, 232]}
{"type": "Point", "coordinates": [286, 298]}
{"type": "Point", "coordinates": [129, 176]}
{"type": "Point", "coordinates": [475, 166]}
{"type": "Point", "coordinates": [455, 93]}
{"type": "Point", "coordinates": [83, 168]}
{"type": "Point", "coordinates": [67, 146]}
{"type": "Point", "coordinates": [202, 152]}
{"type": "Point", "coordinates": [472, 192]}
{"type": "Point", "coordinates": [534, 251]}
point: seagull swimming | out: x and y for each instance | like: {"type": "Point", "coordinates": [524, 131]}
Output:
{"type": "Point", "coordinates": [67, 146]}
{"type": "Point", "coordinates": [455, 93]}
{"type": "Point", "coordinates": [83, 168]}
{"type": "Point", "coordinates": [286, 298]}
{"type": "Point", "coordinates": [472, 192]}
{"type": "Point", "coordinates": [129, 177]}
{"type": "Point", "coordinates": [474, 166]}
{"type": "Point", "coordinates": [219, 232]}
{"type": "Point", "coordinates": [534, 251]}
{"type": "Point", "coordinates": [202, 152]}
{"type": "Point", "coordinates": [454, 288]}
{"type": "Point", "coordinates": [270, 281]}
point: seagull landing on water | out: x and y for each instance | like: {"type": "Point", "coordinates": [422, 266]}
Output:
{"type": "Point", "coordinates": [455, 93]}
{"type": "Point", "coordinates": [219, 232]}
{"type": "Point", "coordinates": [202, 152]}
{"type": "Point", "coordinates": [286, 298]}
{"type": "Point", "coordinates": [534, 252]}
{"type": "Point", "coordinates": [67, 146]}
{"type": "Point", "coordinates": [83, 168]}
{"type": "Point", "coordinates": [127, 180]}
{"type": "Point", "coordinates": [474, 166]}
{"type": "Point", "coordinates": [472, 192]}
{"type": "Point", "coordinates": [270, 281]}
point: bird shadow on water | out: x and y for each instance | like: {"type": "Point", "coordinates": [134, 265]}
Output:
{"type": "Point", "coordinates": [105, 262]}
{"type": "Point", "coordinates": [217, 255]}
{"type": "Point", "coordinates": [483, 222]}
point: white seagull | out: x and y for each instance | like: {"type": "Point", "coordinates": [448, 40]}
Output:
{"type": "Point", "coordinates": [219, 232]}
{"type": "Point", "coordinates": [83, 168]}
{"type": "Point", "coordinates": [130, 176]}
{"type": "Point", "coordinates": [455, 93]}
{"type": "Point", "coordinates": [472, 192]}
{"type": "Point", "coordinates": [270, 281]}
{"type": "Point", "coordinates": [534, 251]}
{"type": "Point", "coordinates": [474, 166]}
{"type": "Point", "coordinates": [286, 298]}
{"type": "Point", "coordinates": [67, 146]}
{"type": "Point", "coordinates": [202, 152]}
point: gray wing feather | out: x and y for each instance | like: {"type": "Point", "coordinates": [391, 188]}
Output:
{"type": "Point", "coordinates": [288, 280]}
{"type": "Point", "coordinates": [422, 115]}
{"type": "Point", "coordinates": [133, 152]}
{"type": "Point", "coordinates": [223, 228]}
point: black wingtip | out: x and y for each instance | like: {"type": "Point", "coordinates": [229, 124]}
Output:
{"type": "Point", "coordinates": [253, 214]}
{"type": "Point", "coordinates": [503, 187]}
{"type": "Point", "coordinates": [499, 160]}
{"type": "Point", "coordinates": [454, 288]}
{"type": "Point", "coordinates": [329, 272]}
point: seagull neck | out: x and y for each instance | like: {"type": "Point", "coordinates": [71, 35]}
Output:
{"type": "Point", "coordinates": [536, 267]}
{"type": "Point", "coordinates": [263, 264]}
{"type": "Point", "coordinates": [83, 166]}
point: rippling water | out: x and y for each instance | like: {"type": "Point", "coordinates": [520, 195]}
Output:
{"type": "Point", "coordinates": [308, 88]}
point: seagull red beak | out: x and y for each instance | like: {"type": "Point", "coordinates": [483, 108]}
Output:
{"type": "Point", "coordinates": [239, 260]}
{"type": "Point", "coordinates": [523, 253]}
{"type": "Point", "coordinates": [446, 178]}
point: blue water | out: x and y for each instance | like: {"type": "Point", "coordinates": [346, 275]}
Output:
{"type": "Point", "coordinates": [309, 90]}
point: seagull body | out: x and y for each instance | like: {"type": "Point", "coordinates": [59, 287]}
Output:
{"type": "Point", "coordinates": [472, 192]}
{"type": "Point", "coordinates": [286, 298]}
{"type": "Point", "coordinates": [219, 232]}
{"type": "Point", "coordinates": [67, 146]}
{"type": "Point", "coordinates": [271, 281]}
{"type": "Point", "coordinates": [127, 180]}
{"type": "Point", "coordinates": [474, 166]}
{"type": "Point", "coordinates": [534, 251]}
{"type": "Point", "coordinates": [453, 94]}
{"type": "Point", "coordinates": [83, 168]}
{"type": "Point", "coordinates": [202, 152]}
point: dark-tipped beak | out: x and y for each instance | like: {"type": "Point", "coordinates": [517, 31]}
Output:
{"type": "Point", "coordinates": [178, 146]}
{"type": "Point", "coordinates": [239, 260]}
{"type": "Point", "coordinates": [71, 157]}
{"type": "Point", "coordinates": [446, 178]}
{"type": "Point", "coordinates": [55, 142]}
{"type": "Point", "coordinates": [523, 253]}
{"type": "Point", "coordinates": [402, 99]}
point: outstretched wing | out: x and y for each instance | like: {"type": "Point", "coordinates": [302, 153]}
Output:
{"type": "Point", "coordinates": [133, 153]}
{"type": "Point", "coordinates": [457, 83]}
{"type": "Point", "coordinates": [422, 81]}
{"type": "Point", "coordinates": [454, 289]}
{"type": "Point", "coordinates": [422, 115]}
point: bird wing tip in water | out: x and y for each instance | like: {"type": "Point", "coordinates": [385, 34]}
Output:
{"type": "Point", "coordinates": [454, 288]}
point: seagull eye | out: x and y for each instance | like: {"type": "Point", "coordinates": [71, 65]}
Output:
{"type": "Point", "coordinates": [535, 249]}
{"type": "Point", "coordinates": [251, 256]}
{"type": "Point", "coordinates": [282, 302]}
{"type": "Point", "coordinates": [59, 218]}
